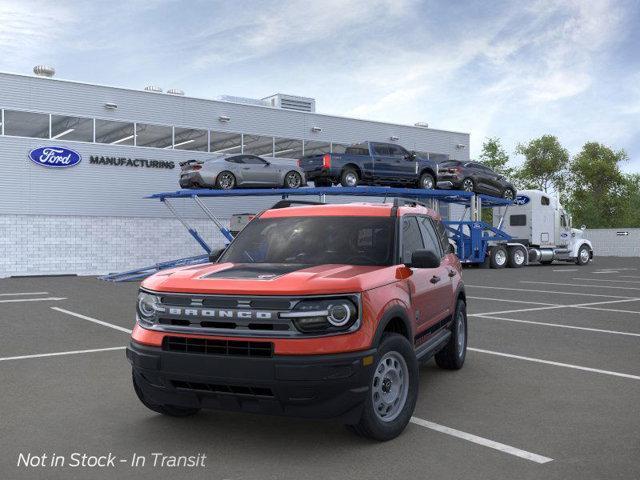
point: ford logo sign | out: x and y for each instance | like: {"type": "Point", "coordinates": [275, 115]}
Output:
{"type": "Point", "coordinates": [56, 157]}
{"type": "Point", "coordinates": [521, 200]}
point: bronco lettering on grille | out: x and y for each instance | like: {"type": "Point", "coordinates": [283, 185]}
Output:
{"type": "Point", "coordinates": [219, 313]}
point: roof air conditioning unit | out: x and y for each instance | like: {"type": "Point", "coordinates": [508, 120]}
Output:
{"type": "Point", "coordinates": [44, 71]}
{"type": "Point", "coordinates": [292, 102]}
{"type": "Point", "coordinates": [153, 88]}
{"type": "Point", "coordinates": [175, 91]}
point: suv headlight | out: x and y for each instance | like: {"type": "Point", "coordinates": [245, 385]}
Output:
{"type": "Point", "coordinates": [324, 315]}
{"type": "Point", "coordinates": [147, 306]}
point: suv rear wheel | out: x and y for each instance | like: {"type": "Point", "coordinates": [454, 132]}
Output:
{"type": "Point", "coordinates": [452, 356]}
{"type": "Point", "coordinates": [393, 390]}
{"type": "Point", "coordinates": [169, 410]}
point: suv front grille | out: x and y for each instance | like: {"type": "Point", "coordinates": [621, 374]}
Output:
{"type": "Point", "coordinates": [230, 389]}
{"type": "Point", "coordinates": [207, 346]}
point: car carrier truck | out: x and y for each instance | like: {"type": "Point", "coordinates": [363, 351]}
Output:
{"type": "Point", "coordinates": [540, 231]}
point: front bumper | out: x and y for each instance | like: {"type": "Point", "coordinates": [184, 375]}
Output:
{"type": "Point", "coordinates": [311, 386]}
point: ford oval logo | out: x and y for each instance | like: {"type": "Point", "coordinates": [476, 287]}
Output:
{"type": "Point", "coordinates": [521, 200]}
{"type": "Point", "coordinates": [56, 157]}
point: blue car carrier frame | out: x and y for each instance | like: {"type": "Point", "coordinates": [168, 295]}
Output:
{"type": "Point", "coordinates": [472, 237]}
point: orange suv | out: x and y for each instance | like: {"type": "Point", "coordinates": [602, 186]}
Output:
{"type": "Point", "coordinates": [321, 311]}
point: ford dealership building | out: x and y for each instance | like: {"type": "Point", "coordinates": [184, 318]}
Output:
{"type": "Point", "coordinates": [77, 160]}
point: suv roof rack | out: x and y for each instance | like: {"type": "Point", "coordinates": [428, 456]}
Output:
{"type": "Point", "coordinates": [288, 203]}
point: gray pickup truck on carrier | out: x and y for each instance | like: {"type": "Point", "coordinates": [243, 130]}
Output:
{"type": "Point", "coordinates": [371, 163]}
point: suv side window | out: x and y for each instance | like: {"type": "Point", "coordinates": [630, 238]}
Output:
{"type": "Point", "coordinates": [431, 240]}
{"type": "Point", "coordinates": [397, 151]}
{"type": "Point", "coordinates": [411, 238]}
{"type": "Point", "coordinates": [441, 231]}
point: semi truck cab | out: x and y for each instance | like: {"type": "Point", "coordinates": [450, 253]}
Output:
{"type": "Point", "coordinates": [538, 221]}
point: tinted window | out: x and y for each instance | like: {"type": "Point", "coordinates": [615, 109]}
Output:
{"type": "Point", "coordinates": [411, 238]}
{"type": "Point", "coordinates": [517, 220]}
{"type": "Point", "coordinates": [441, 231]}
{"type": "Point", "coordinates": [397, 151]}
{"type": "Point", "coordinates": [544, 200]}
{"type": "Point", "coordinates": [381, 149]}
{"type": "Point", "coordinates": [26, 124]}
{"type": "Point", "coordinates": [238, 159]}
{"type": "Point", "coordinates": [253, 160]}
{"type": "Point", "coordinates": [315, 241]}
{"type": "Point", "coordinates": [431, 240]}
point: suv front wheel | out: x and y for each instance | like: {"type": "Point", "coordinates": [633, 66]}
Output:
{"type": "Point", "coordinates": [393, 390]}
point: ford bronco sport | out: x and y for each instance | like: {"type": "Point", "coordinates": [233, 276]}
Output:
{"type": "Point", "coordinates": [321, 311]}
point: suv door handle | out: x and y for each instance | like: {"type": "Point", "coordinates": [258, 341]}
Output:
{"type": "Point", "coordinates": [434, 279]}
{"type": "Point", "coordinates": [452, 273]}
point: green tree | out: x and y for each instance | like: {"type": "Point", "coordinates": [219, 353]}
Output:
{"type": "Point", "coordinates": [631, 202]}
{"type": "Point", "coordinates": [545, 165]}
{"type": "Point", "coordinates": [495, 157]}
{"type": "Point", "coordinates": [599, 191]}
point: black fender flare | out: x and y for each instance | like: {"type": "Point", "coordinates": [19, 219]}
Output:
{"type": "Point", "coordinates": [394, 311]}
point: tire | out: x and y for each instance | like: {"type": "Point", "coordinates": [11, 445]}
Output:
{"type": "Point", "coordinates": [584, 255]}
{"type": "Point", "coordinates": [498, 257]}
{"type": "Point", "coordinates": [395, 355]}
{"type": "Point", "coordinates": [169, 410]}
{"type": "Point", "coordinates": [349, 178]}
{"type": "Point", "coordinates": [427, 182]}
{"type": "Point", "coordinates": [517, 257]}
{"type": "Point", "coordinates": [452, 356]}
{"type": "Point", "coordinates": [468, 185]}
{"type": "Point", "coordinates": [225, 180]}
{"type": "Point", "coordinates": [292, 180]}
{"type": "Point", "coordinates": [508, 194]}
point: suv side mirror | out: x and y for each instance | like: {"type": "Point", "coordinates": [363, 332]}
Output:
{"type": "Point", "coordinates": [410, 156]}
{"type": "Point", "coordinates": [424, 259]}
{"type": "Point", "coordinates": [214, 255]}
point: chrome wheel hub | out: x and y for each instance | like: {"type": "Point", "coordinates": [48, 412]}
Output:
{"type": "Point", "coordinates": [293, 180]}
{"type": "Point", "coordinates": [500, 257]}
{"type": "Point", "coordinates": [462, 334]}
{"type": "Point", "coordinates": [427, 183]}
{"type": "Point", "coordinates": [518, 256]}
{"type": "Point", "coordinates": [390, 386]}
{"type": "Point", "coordinates": [467, 186]}
{"type": "Point", "coordinates": [351, 179]}
{"type": "Point", "coordinates": [226, 181]}
{"type": "Point", "coordinates": [584, 255]}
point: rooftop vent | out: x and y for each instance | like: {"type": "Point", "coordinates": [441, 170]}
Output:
{"type": "Point", "coordinates": [153, 88]}
{"type": "Point", "coordinates": [44, 71]}
{"type": "Point", "coordinates": [422, 124]}
{"type": "Point", "coordinates": [175, 91]}
{"type": "Point", "coordinates": [292, 102]}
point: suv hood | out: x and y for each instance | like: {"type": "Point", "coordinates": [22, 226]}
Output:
{"type": "Point", "coordinates": [271, 279]}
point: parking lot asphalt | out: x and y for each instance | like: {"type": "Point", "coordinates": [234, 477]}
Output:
{"type": "Point", "coordinates": [550, 389]}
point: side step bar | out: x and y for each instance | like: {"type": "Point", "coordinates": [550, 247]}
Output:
{"type": "Point", "coordinates": [429, 348]}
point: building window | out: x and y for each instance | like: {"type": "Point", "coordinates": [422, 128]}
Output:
{"type": "Point", "coordinates": [114, 133]}
{"type": "Point", "coordinates": [71, 128]}
{"type": "Point", "coordinates": [190, 139]}
{"type": "Point", "coordinates": [26, 124]}
{"type": "Point", "coordinates": [287, 148]}
{"type": "Point", "coordinates": [258, 145]}
{"type": "Point", "coordinates": [312, 147]}
{"type": "Point", "coordinates": [224, 142]}
{"type": "Point", "coordinates": [338, 147]}
{"type": "Point", "coordinates": [157, 136]}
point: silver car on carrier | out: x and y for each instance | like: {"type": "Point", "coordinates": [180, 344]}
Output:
{"type": "Point", "coordinates": [241, 170]}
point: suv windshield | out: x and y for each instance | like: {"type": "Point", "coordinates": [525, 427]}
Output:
{"type": "Point", "coordinates": [315, 241]}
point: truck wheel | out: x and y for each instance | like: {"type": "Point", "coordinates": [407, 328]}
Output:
{"type": "Point", "coordinates": [498, 257]}
{"type": "Point", "coordinates": [349, 178]}
{"type": "Point", "coordinates": [169, 410]}
{"type": "Point", "coordinates": [225, 180]}
{"type": "Point", "coordinates": [517, 257]}
{"type": "Point", "coordinates": [427, 181]}
{"type": "Point", "coordinates": [583, 255]}
{"type": "Point", "coordinates": [452, 356]}
{"type": "Point", "coordinates": [393, 390]}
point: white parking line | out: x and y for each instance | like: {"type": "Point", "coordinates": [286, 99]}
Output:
{"type": "Point", "coordinates": [559, 325]}
{"type": "Point", "coordinates": [604, 280]}
{"type": "Point", "coordinates": [94, 320]}
{"type": "Point", "coordinates": [57, 354]}
{"type": "Point", "coordinates": [579, 285]}
{"type": "Point", "coordinates": [512, 301]}
{"type": "Point", "coordinates": [577, 305]}
{"type": "Point", "coordinates": [23, 293]}
{"type": "Point", "coordinates": [530, 290]}
{"type": "Point", "coordinates": [555, 364]}
{"type": "Point", "coordinates": [485, 442]}
{"type": "Point", "coordinates": [45, 299]}
{"type": "Point", "coordinates": [523, 310]}
{"type": "Point", "coordinates": [566, 270]}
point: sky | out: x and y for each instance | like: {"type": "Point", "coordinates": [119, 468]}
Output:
{"type": "Point", "coordinates": [514, 70]}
